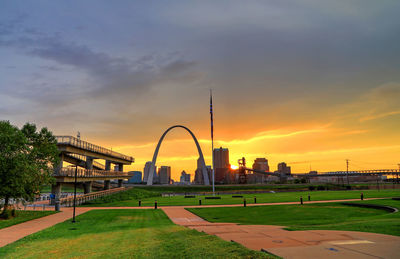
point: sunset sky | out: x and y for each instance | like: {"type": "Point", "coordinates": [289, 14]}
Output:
{"type": "Point", "coordinates": [311, 82]}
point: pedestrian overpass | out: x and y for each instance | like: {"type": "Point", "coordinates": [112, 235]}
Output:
{"type": "Point", "coordinates": [83, 155]}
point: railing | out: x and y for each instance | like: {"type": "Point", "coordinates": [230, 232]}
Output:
{"type": "Point", "coordinates": [83, 158]}
{"type": "Point", "coordinates": [92, 173]}
{"type": "Point", "coordinates": [69, 202]}
{"type": "Point", "coordinates": [69, 140]}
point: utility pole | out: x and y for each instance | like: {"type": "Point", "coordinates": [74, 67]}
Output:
{"type": "Point", "coordinates": [347, 171]}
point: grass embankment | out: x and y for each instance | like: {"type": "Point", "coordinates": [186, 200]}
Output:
{"type": "Point", "coordinates": [22, 216]}
{"type": "Point", "coordinates": [125, 200]}
{"type": "Point", "coordinates": [132, 195]}
{"type": "Point", "coordinates": [332, 216]}
{"type": "Point", "coordinates": [124, 234]}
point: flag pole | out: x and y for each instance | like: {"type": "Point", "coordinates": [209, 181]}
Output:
{"type": "Point", "coordinates": [212, 143]}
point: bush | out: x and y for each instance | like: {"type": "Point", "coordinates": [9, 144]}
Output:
{"type": "Point", "coordinates": [8, 214]}
{"type": "Point", "coordinates": [311, 187]}
{"type": "Point", "coordinates": [320, 188]}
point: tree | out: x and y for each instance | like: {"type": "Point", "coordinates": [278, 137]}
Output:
{"type": "Point", "coordinates": [27, 159]}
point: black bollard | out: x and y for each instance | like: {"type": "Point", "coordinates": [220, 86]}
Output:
{"type": "Point", "coordinates": [57, 206]}
{"type": "Point", "coordinates": [244, 202]}
{"type": "Point", "coordinates": [301, 200]}
{"type": "Point", "coordinates": [140, 203]}
{"type": "Point", "coordinates": [199, 202]}
{"type": "Point", "coordinates": [309, 198]}
{"type": "Point", "coordinates": [255, 199]}
{"type": "Point", "coordinates": [362, 196]}
{"type": "Point", "coordinates": [155, 205]}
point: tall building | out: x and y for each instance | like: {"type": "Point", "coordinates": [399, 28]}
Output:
{"type": "Point", "coordinates": [185, 178]}
{"type": "Point", "coordinates": [284, 169]}
{"type": "Point", "coordinates": [198, 174]}
{"type": "Point", "coordinates": [146, 172]}
{"type": "Point", "coordinates": [221, 165]}
{"type": "Point", "coordinates": [164, 175]}
{"type": "Point", "coordinates": [221, 158]}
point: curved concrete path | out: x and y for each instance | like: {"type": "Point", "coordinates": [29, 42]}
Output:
{"type": "Point", "coordinates": [274, 239]}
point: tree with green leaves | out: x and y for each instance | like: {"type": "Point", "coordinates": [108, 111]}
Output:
{"type": "Point", "coordinates": [27, 159]}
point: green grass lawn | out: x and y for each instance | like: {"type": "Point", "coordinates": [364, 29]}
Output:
{"type": "Point", "coordinates": [261, 198]}
{"type": "Point", "coordinates": [332, 216]}
{"type": "Point", "coordinates": [23, 216]}
{"type": "Point", "coordinates": [124, 234]}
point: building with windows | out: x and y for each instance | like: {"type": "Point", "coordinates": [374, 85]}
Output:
{"type": "Point", "coordinates": [164, 175]}
{"type": "Point", "coordinates": [260, 164]}
{"type": "Point", "coordinates": [146, 172]}
{"type": "Point", "coordinates": [222, 167]}
{"type": "Point", "coordinates": [185, 178]}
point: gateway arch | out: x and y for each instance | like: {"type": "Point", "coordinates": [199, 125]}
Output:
{"type": "Point", "coordinates": [202, 163]}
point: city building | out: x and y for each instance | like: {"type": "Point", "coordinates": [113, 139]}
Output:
{"type": "Point", "coordinates": [222, 167]}
{"type": "Point", "coordinates": [146, 173]}
{"type": "Point", "coordinates": [164, 175]}
{"type": "Point", "coordinates": [198, 174]}
{"type": "Point", "coordinates": [284, 169]}
{"type": "Point", "coordinates": [185, 178]}
{"type": "Point", "coordinates": [260, 164]}
{"type": "Point", "coordinates": [136, 178]}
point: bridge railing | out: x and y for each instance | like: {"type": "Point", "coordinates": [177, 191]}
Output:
{"type": "Point", "coordinates": [69, 201]}
{"type": "Point", "coordinates": [70, 140]}
{"type": "Point", "coordinates": [90, 173]}
{"type": "Point", "coordinates": [83, 158]}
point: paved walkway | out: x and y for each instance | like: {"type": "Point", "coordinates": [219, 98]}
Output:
{"type": "Point", "coordinates": [274, 239]}
{"type": "Point", "coordinates": [294, 244]}
{"type": "Point", "coordinates": [16, 232]}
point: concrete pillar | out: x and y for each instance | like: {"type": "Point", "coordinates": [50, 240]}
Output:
{"type": "Point", "coordinates": [60, 165]}
{"type": "Point", "coordinates": [120, 182]}
{"type": "Point", "coordinates": [56, 193]}
{"type": "Point", "coordinates": [87, 187]}
{"type": "Point", "coordinates": [107, 184]}
{"type": "Point", "coordinates": [108, 165]}
{"type": "Point", "coordinates": [120, 167]}
{"type": "Point", "coordinates": [89, 162]}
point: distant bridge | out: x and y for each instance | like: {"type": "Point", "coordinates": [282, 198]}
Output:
{"type": "Point", "coordinates": [357, 172]}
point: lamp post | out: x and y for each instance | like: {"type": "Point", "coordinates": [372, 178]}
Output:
{"type": "Point", "coordinates": [76, 172]}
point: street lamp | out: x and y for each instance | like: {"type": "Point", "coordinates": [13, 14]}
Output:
{"type": "Point", "coordinates": [76, 172]}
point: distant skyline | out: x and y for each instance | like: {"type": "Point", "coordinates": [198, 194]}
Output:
{"type": "Point", "coordinates": [309, 83]}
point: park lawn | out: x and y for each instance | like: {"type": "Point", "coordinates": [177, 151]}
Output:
{"type": "Point", "coordinates": [326, 216]}
{"type": "Point", "coordinates": [23, 216]}
{"type": "Point", "coordinates": [124, 234]}
{"type": "Point", "coordinates": [261, 198]}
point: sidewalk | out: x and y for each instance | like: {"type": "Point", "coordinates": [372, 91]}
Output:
{"type": "Point", "coordinates": [16, 232]}
{"type": "Point", "coordinates": [294, 244]}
